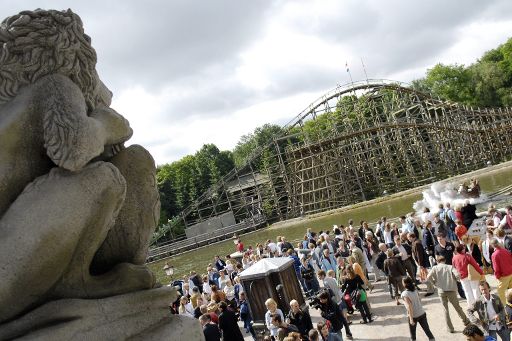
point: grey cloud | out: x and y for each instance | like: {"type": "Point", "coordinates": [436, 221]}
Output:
{"type": "Point", "coordinates": [397, 35]}
{"type": "Point", "coordinates": [191, 48]}
{"type": "Point", "coordinates": [157, 42]}
{"type": "Point", "coordinates": [160, 44]}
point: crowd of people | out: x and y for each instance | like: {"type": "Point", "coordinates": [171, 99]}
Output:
{"type": "Point", "coordinates": [335, 269]}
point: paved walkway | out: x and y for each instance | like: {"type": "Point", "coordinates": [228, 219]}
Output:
{"type": "Point", "coordinates": [391, 323]}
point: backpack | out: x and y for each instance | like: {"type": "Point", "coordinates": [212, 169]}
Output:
{"type": "Point", "coordinates": [448, 221]}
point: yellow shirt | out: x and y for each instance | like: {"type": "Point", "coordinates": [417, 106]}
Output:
{"type": "Point", "coordinates": [359, 270]}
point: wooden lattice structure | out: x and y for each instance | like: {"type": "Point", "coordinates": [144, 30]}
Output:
{"type": "Point", "coordinates": [351, 145]}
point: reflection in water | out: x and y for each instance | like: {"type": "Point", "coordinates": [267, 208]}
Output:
{"type": "Point", "coordinates": [394, 207]}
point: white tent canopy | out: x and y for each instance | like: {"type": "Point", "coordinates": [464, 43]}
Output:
{"type": "Point", "coordinates": [265, 267]}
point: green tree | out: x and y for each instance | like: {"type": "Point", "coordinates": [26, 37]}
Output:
{"type": "Point", "coordinates": [485, 83]}
{"type": "Point", "coordinates": [251, 143]}
{"type": "Point", "coordinates": [182, 182]}
{"type": "Point", "coordinates": [451, 82]}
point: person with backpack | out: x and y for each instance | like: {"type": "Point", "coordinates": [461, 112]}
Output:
{"type": "Point", "coordinates": [354, 287]}
{"type": "Point", "coordinates": [449, 218]}
{"type": "Point", "coordinates": [463, 262]}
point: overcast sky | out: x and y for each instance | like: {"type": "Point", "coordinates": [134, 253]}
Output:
{"type": "Point", "coordinates": [186, 73]}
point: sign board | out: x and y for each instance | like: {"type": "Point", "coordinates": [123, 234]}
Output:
{"type": "Point", "coordinates": [478, 227]}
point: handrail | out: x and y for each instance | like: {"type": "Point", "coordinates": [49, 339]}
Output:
{"type": "Point", "coordinates": [204, 238]}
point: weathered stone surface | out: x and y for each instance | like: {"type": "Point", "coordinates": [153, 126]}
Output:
{"type": "Point", "coordinates": [49, 236]}
{"type": "Point", "coordinates": [77, 209]}
{"type": "Point", "coordinates": [142, 315]}
{"type": "Point", "coordinates": [128, 240]}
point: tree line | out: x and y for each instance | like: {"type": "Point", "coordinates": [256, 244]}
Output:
{"type": "Point", "coordinates": [485, 83]}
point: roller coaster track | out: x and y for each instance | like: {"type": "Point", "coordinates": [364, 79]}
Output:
{"type": "Point", "coordinates": [350, 145]}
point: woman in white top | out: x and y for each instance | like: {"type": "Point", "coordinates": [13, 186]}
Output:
{"type": "Point", "coordinates": [246, 261]}
{"type": "Point", "coordinates": [415, 312]}
{"type": "Point", "coordinates": [229, 290]}
{"type": "Point", "coordinates": [487, 249]}
{"type": "Point", "coordinates": [388, 236]}
{"type": "Point", "coordinates": [185, 307]}
{"type": "Point", "coordinates": [271, 310]}
{"type": "Point", "coordinates": [207, 289]}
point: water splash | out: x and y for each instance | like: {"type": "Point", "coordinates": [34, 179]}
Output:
{"type": "Point", "coordinates": [442, 193]}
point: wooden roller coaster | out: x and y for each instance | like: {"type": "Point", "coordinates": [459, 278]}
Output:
{"type": "Point", "coordinates": [351, 145]}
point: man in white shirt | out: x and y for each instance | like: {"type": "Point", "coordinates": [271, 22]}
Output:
{"type": "Point", "coordinates": [491, 314]}
{"type": "Point", "coordinates": [271, 246]}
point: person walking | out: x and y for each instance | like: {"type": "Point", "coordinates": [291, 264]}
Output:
{"type": "Point", "coordinates": [395, 270]}
{"type": "Point", "coordinates": [415, 311]}
{"type": "Point", "coordinates": [331, 311]}
{"type": "Point", "coordinates": [444, 248]}
{"type": "Point", "coordinates": [444, 277]}
{"type": "Point", "coordinates": [228, 324]}
{"type": "Point", "coordinates": [420, 257]}
{"type": "Point", "coordinates": [299, 318]}
{"type": "Point", "coordinates": [327, 262]}
{"type": "Point", "coordinates": [491, 313]}
{"type": "Point", "coordinates": [405, 253]}
{"type": "Point", "coordinates": [502, 263]}
{"type": "Point", "coordinates": [353, 285]}
{"type": "Point", "coordinates": [245, 315]}
{"type": "Point", "coordinates": [462, 262]}
{"type": "Point", "coordinates": [379, 264]}
{"type": "Point", "coordinates": [429, 242]}
{"type": "Point", "coordinates": [271, 310]}
{"type": "Point", "coordinates": [307, 272]}
{"type": "Point", "coordinates": [331, 283]}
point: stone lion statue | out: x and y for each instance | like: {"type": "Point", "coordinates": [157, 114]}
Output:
{"type": "Point", "coordinates": [77, 208]}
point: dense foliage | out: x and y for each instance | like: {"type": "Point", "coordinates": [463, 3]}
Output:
{"type": "Point", "coordinates": [252, 142]}
{"type": "Point", "coordinates": [181, 182]}
{"type": "Point", "coordinates": [486, 83]}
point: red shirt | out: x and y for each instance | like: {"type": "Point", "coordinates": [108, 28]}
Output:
{"type": "Point", "coordinates": [214, 317]}
{"type": "Point", "coordinates": [502, 262]}
{"type": "Point", "coordinates": [460, 262]}
{"type": "Point", "coordinates": [460, 230]}
{"type": "Point", "coordinates": [240, 247]}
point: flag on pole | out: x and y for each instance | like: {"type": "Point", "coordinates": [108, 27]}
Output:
{"type": "Point", "coordinates": [346, 65]}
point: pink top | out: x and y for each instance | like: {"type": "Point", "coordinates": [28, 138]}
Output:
{"type": "Point", "coordinates": [460, 262]}
{"type": "Point", "coordinates": [502, 262]}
